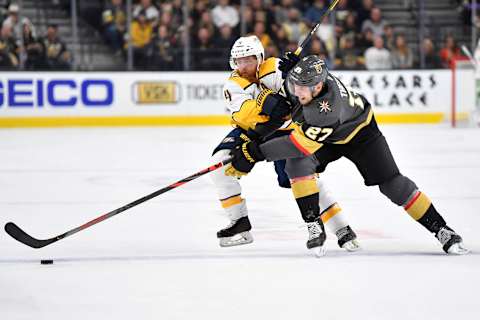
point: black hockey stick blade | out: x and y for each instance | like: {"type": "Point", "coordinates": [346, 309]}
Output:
{"type": "Point", "coordinates": [18, 234]}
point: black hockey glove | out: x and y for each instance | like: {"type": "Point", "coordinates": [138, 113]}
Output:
{"type": "Point", "coordinates": [287, 62]}
{"type": "Point", "coordinates": [273, 105]}
{"type": "Point", "coordinates": [244, 157]}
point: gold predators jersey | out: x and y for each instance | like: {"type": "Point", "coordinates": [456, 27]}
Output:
{"type": "Point", "coordinates": [240, 94]}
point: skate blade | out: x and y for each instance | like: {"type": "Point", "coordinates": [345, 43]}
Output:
{"type": "Point", "coordinates": [318, 251]}
{"type": "Point", "coordinates": [352, 246]}
{"type": "Point", "coordinates": [458, 249]}
{"type": "Point", "coordinates": [236, 240]}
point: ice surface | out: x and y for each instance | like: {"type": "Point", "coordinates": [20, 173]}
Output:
{"type": "Point", "coordinates": [161, 260]}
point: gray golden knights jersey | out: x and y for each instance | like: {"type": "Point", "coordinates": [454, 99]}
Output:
{"type": "Point", "coordinates": [333, 117]}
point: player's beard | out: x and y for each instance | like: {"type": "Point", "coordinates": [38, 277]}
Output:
{"type": "Point", "coordinates": [252, 77]}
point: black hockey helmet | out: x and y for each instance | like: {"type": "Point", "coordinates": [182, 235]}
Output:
{"type": "Point", "coordinates": [308, 72]}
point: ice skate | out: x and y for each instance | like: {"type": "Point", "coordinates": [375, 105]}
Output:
{"type": "Point", "coordinates": [316, 238]}
{"type": "Point", "coordinates": [347, 239]}
{"type": "Point", "coordinates": [451, 241]}
{"type": "Point", "coordinates": [236, 233]}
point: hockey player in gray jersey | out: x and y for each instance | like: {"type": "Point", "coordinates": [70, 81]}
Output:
{"type": "Point", "coordinates": [337, 122]}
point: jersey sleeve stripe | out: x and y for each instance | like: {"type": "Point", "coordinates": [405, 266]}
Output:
{"type": "Point", "coordinates": [299, 146]}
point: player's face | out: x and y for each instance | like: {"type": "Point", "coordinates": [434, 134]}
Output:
{"type": "Point", "coordinates": [247, 66]}
{"type": "Point", "coordinates": [305, 94]}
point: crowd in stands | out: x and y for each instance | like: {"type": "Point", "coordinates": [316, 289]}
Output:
{"type": "Point", "coordinates": [21, 48]}
{"type": "Point", "coordinates": [354, 37]}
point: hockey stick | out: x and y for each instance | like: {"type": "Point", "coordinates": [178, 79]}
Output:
{"type": "Point", "coordinates": [18, 234]}
{"type": "Point", "coordinates": [315, 28]}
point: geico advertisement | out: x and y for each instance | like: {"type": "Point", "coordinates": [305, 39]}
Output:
{"type": "Point", "coordinates": [98, 94]}
{"type": "Point", "coordinates": [200, 93]}
{"type": "Point", "coordinates": [29, 92]}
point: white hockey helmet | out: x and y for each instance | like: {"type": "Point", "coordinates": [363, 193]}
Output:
{"type": "Point", "coordinates": [244, 47]}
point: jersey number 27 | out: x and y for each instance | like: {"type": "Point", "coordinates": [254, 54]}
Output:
{"type": "Point", "coordinates": [318, 134]}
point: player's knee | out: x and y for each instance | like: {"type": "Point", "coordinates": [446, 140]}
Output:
{"type": "Point", "coordinates": [226, 185]}
{"type": "Point", "coordinates": [398, 189]}
{"type": "Point", "coordinates": [326, 197]}
{"type": "Point", "coordinates": [221, 155]}
{"type": "Point", "coordinates": [300, 167]}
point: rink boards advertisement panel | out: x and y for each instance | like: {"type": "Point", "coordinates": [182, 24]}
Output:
{"type": "Point", "coordinates": [196, 98]}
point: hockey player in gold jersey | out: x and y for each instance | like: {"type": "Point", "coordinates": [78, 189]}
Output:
{"type": "Point", "coordinates": [255, 96]}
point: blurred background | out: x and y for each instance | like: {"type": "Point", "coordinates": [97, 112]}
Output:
{"type": "Point", "coordinates": [165, 59]}
{"type": "Point", "coordinates": [197, 35]}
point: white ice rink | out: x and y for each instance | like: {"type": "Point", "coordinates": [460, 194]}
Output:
{"type": "Point", "coordinates": [161, 259]}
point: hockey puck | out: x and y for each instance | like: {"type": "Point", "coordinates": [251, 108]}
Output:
{"type": "Point", "coordinates": [46, 261]}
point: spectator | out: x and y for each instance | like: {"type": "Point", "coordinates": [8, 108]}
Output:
{"type": "Point", "coordinates": [341, 11]}
{"type": "Point", "coordinates": [388, 37]}
{"type": "Point", "coordinates": [259, 31]}
{"type": "Point", "coordinates": [224, 42]}
{"type": "Point", "coordinates": [162, 49]}
{"type": "Point", "coordinates": [57, 55]}
{"type": "Point", "coordinates": [262, 14]}
{"type": "Point", "coordinates": [328, 62]}
{"type": "Point", "coordinates": [16, 22]}
{"type": "Point", "coordinates": [177, 9]}
{"type": "Point", "coordinates": [166, 18]}
{"type": "Point", "coordinates": [315, 11]}
{"type": "Point", "coordinates": [172, 17]}
{"type": "Point", "coordinates": [326, 33]}
{"type": "Point", "coordinates": [178, 46]}
{"type": "Point", "coordinates": [363, 12]}
{"type": "Point", "coordinates": [225, 14]}
{"type": "Point", "coordinates": [349, 25]}
{"type": "Point", "coordinates": [401, 55]}
{"type": "Point", "coordinates": [281, 40]}
{"type": "Point", "coordinates": [8, 48]}
{"type": "Point", "coordinates": [349, 57]}
{"type": "Point", "coordinates": [114, 25]}
{"type": "Point", "coordinates": [204, 54]}
{"type": "Point", "coordinates": [294, 27]}
{"type": "Point", "coordinates": [365, 40]}
{"type": "Point", "coordinates": [199, 7]}
{"type": "Point", "coordinates": [449, 52]}
{"type": "Point", "coordinates": [271, 51]}
{"type": "Point", "coordinates": [432, 60]}
{"type": "Point", "coordinates": [377, 57]}
{"type": "Point", "coordinates": [141, 33]}
{"type": "Point", "coordinates": [172, 14]}
{"type": "Point", "coordinates": [148, 9]}
{"type": "Point", "coordinates": [34, 50]}
{"type": "Point", "coordinates": [281, 11]}
{"type": "Point", "coordinates": [317, 47]}
{"type": "Point", "coordinates": [206, 21]}
{"type": "Point", "coordinates": [249, 19]}
{"type": "Point", "coordinates": [225, 39]}
{"type": "Point", "coordinates": [375, 23]}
